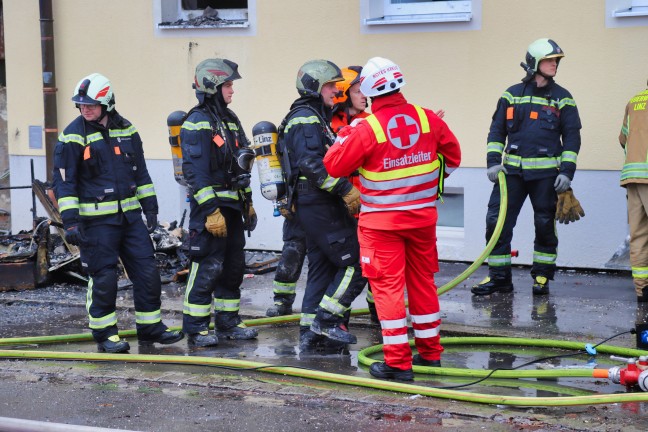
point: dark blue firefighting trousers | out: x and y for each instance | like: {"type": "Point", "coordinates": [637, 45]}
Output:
{"type": "Point", "coordinates": [334, 274]}
{"type": "Point", "coordinates": [217, 269]}
{"type": "Point", "coordinates": [543, 199]}
{"type": "Point", "coordinates": [100, 253]}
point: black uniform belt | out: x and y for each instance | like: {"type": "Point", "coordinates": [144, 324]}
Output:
{"type": "Point", "coordinates": [303, 186]}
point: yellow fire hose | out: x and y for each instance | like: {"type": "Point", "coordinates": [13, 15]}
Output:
{"type": "Point", "coordinates": [363, 356]}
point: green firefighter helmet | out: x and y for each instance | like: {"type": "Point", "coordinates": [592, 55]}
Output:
{"type": "Point", "coordinates": [542, 49]}
{"type": "Point", "coordinates": [211, 73]}
{"type": "Point", "coordinates": [313, 74]}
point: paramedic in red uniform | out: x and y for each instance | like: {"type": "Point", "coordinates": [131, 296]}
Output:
{"type": "Point", "coordinates": [402, 152]}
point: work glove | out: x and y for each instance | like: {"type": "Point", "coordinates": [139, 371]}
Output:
{"type": "Point", "coordinates": [74, 236]}
{"type": "Point", "coordinates": [286, 212]}
{"type": "Point", "coordinates": [568, 208]}
{"type": "Point", "coordinates": [251, 220]}
{"type": "Point", "coordinates": [352, 201]}
{"type": "Point", "coordinates": [493, 171]}
{"type": "Point", "coordinates": [216, 225]}
{"type": "Point", "coordinates": [562, 183]}
{"type": "Point", "coordinates": [151, 222]}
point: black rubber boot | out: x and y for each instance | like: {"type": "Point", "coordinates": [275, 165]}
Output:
{"type": "Point", "coordinates": [381, 370]}
{"type": "Point", "coordinates": [337, 332]}
{"type": "Point", "coordinates": [310, 342]}
{"type": "Point", "coordinates": [491, 285]}
{"type": "Point", "coordinates": [113, 345]}
{"type": "Point", "coordinates": [540, 285]}
{"type": "Point", "coordinates": [279, 309]}
{"type": "Point", "coordinates": [420, 361]}
{"type": "Point", "coordinates": [203, 339]}
{"type": "Point", "coordinates": [166, 338]}
{"type": "Point", "coordinates": [229, 325]}
{"type": "Point", "coordinates": [239, 332]}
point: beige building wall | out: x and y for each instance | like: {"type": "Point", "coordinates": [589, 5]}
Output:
{"type": "Point", "coordinates": [463, 72]}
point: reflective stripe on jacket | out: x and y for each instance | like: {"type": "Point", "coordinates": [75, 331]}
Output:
{"type": "Point", "coordinates": [395, 151]}
{"type": "Point", "coordinates": [99, 172]}
{"type": "Point", "coordinates": [634, 140]}
{"type": "Point", "coordinates": [537, 129]}
{"type": "Point", "coordinates": [407, 178]}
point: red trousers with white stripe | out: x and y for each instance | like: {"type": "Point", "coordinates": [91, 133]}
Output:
{"type": "Point", "coordinates": [392, 261]}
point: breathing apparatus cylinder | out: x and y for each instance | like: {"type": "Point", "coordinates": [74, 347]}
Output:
{"type": "Point", "coordinates": [273, 185]}
{"type": "Point", "coordinates": [174, 122]}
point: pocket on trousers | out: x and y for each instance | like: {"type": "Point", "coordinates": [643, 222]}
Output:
{"type": "Point", "coordinates": [343, 247]}
{"type": "Point", "coordinates": [370, 266]}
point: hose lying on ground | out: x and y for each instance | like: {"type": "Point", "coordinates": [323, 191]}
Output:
{"type": "Point", "coordinates": [363, 355]}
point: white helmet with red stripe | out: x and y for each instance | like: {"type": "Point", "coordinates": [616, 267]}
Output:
{"type": "Point", "coordinates": [380, 76]}
{"type": "Point", "coordinates": [95, 89]}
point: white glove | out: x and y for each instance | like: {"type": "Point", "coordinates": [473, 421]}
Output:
{"type": "Point", "coordinates": [493, 171]}
{"type": "Point", "coordinates": [562, 183]}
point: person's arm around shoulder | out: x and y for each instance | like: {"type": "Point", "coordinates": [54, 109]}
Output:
{"type": "Point", "coordinates": [348, 152]}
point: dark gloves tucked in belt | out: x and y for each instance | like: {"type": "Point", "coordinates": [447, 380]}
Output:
{"type": "Point", "coordinates": [151, 222]}
{"type": "Point", "coordinates": [74, 236]}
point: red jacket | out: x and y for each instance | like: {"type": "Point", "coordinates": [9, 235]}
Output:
{"type": "Point", "coordinates": [396, 152]}
{"type": "Point", "coordinates": [341, 118]}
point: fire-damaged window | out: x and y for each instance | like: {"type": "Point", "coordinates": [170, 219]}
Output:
{"type": "Point", "coordinates": [186, 14]}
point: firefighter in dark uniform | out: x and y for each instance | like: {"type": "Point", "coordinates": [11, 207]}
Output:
{"type": "Point", "coordinates": [540, 120]}
{"type": "Point", "coordinates": [323, 207]}
{"type": "Point", "coordinates": [216, 162]}
{"type": "Point", "coordinates": [102, 186]}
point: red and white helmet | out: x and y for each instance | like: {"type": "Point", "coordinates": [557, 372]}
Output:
{"type": "Point", "coordinates": [380, 76]}
{"type": "Point", "coordinates": [95, 89]}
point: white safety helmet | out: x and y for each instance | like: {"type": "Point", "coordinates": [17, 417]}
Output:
{"type": "Point", "coordinates": [95, 89]}
{"type": "Point", "coordinates": [380, 76]}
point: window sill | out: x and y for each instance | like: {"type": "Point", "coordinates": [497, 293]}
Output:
{"type": "Point", "coordinates": [228, 25]}
{"type": "Point", "coordinates": [420, 19]}
{"type": "Point", "coordinates": [631, 12]}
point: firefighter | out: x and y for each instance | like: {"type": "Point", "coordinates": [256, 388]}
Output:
{"type": "Point", "coordinates": [402, 152]}
{"type": "Point", "coordinates": [216, 162]}
{"type": "Point", "coordinates": [102, 186]}
{"type": "Point", "coordinates": [534, 139]}
{"type": "Point", "coordinates": [634, 177]}
{"type": "Point", "coordinates": [350, 104]}
{"type": "Point", "coordinates": [323, 207]}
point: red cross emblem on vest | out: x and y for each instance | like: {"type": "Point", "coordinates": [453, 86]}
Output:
{"type": "Point", "coordinates": [403, 131]}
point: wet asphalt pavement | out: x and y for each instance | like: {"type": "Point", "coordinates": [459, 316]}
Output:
{"type": "Point", "coordinates": [587, 307]}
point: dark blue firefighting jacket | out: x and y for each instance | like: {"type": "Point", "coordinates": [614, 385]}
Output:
{"type": "Point", "coordinates": [208, 165]}
{"type": "Point", "coordinates": [100, 173]}
{"type": "Point", "coordinates": [306, 139]}
{"type": "Point", "coordinates": [542, 127]}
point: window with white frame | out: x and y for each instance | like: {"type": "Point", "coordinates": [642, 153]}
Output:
{"type": "Point", "coordinates": [451, 208]}
{"type": "Point", "coordinates": [186, 14]}
{"type": "Point", "coordinates": [626, 13]}
{"type": "Point", "coordinates": [419, 11]}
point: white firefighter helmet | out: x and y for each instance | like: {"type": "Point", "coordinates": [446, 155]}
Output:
{"type": "Point", "coordinates": [380, 76]}
{"type": "Point", "coordinates": [94, 89]}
